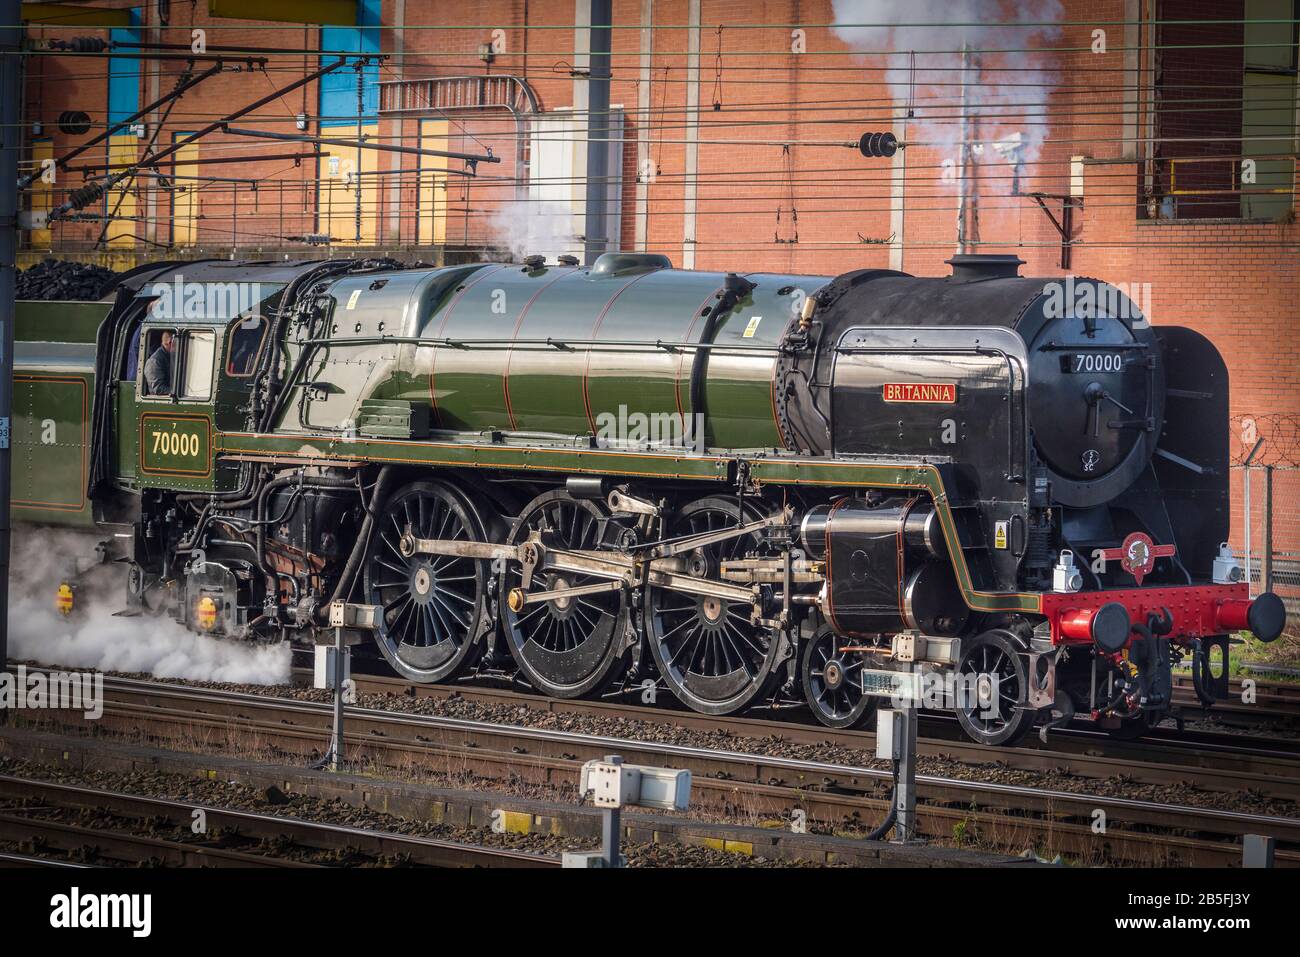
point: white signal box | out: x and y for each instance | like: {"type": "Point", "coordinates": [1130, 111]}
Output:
{"type": "Point", "coordinates": [614, 785]}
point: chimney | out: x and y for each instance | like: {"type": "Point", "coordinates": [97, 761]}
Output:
{"type": "Point", "coordinates": [973, 267]}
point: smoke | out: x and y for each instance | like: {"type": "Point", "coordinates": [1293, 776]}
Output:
{"type": "Point", "coordinates": [1008, 96]}
{"type": "Point", "coordinates": [93, 637]}
{"type": "Point", "coordinates": [534, 228]}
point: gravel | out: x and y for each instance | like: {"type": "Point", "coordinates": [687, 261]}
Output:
{"type": "Point", "coordinates": [236, 796]}
{"type": "Point", "coordinates": [1121, 785]}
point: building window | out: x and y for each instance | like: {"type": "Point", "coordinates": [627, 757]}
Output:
{"type": "Point", "coordinates": [1224, 109]}
{"type": "Point", "coordinates": [183, 185]}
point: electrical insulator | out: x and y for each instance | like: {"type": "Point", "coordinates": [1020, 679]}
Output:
{"type": "Point", "coordinates": [80, 45]}
{"type": "Point", "coordinates": [74, 122]}
{"type": "Point", "coordinates": [878, 144]}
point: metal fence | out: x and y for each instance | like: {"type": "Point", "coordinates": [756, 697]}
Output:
{"type": "Point", "coordinates": [1266, 528]}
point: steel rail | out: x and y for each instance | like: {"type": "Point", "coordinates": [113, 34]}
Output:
{"type": "Point", "coordinates": [1152, 761]}
{"type": "Point", "coordinates": [124, 846]}
{"type": "Point", "coordinates": [1008, 817]}
{"type": "Point", "coordinates": [316, 834]}
{"type": "Point", "coordinates": [8, 859]}
{"type": "Point", "coordinates": [800, 768]}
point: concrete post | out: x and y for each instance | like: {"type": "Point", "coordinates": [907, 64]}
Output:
{"type": "Point", "coordinates": [596, 226]}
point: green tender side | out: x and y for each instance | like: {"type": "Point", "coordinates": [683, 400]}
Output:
{"type": "Point", "coordinates": [54, 389]}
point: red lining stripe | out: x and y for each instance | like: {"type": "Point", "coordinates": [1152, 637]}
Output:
{"type": "Point", "coordinates": [473, 280]}
{"type": "Point", "coordinates": [85, 441]}
{"type": "Point", "coordinates": [505, 375]}
{"type": "Point", "coordinates": [586, 372]}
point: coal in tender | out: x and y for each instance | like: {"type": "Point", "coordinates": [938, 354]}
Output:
{"type": "Point", "coordinates": [57, 279]}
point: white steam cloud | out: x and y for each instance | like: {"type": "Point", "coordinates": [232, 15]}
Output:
{"type": "Point", "coordinates": [93, 637]}
{"type": "Point", "coordinates": [1008, 96]}
{"type": "Point", "coordinates": [538, 228]}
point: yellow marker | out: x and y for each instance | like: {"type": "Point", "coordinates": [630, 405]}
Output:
{"type": "Point", "coordinates": [205, 613]}
{"type": "Point", "coordinates": [64, 600]}
{"type": "Point", "coordinates": [517, 822]}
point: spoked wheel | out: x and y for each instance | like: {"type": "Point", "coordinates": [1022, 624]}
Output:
{"type": "Point", "coordinates": [992, 679]}
{"type": "Point", "coordinates": [434, 605]}
{"type": "Point", "coordinates": [573, 645]}
{"type": "Point", "coordinates": [832, 681]}
{"type": "Point", "coordinates": [708, 652]}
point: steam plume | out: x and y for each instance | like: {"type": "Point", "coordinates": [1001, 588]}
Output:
{"type": "Point", "coordinates": [1010, 98]}
{"type": "Point", "coordinates": [95, 638]}
{"type": "Point", "coordinates": [534, 228]}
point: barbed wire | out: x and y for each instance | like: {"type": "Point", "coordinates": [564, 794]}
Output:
{"type": "Point", "coordinates": [1280, 432]}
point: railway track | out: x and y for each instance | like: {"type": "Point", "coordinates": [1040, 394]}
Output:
{"type": "Point", "coordinates": [764, 786]}
{"type": "Point", "coordinates": [9, 860]}
{"type": "Point", "coordinates": [1276, 708]}
{"type": "Point", "coordinates": [108, 827]}
{"type": "Point", "coordinates": [1275, 704]}
{"type": "Point", "coordinates": [1221, 762]}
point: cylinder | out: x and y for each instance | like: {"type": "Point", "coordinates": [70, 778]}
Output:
{"type": "Point", "coordinates": [886, 568]}
{"type": "Point", "coordinates": [922, 533]}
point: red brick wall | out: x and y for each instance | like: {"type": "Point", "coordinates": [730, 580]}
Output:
{"type": "Point", "coordinates": [57, 83]}
{"type": "Point", "coordinates": [1239, 283]}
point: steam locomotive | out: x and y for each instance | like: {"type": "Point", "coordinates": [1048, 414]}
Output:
{"type": "Point", "coordinates": [742, 488]}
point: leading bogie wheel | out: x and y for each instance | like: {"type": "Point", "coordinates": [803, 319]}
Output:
{"type": "Point", "coordinates": [992, 679]}
{"type": "Point", "coordinates": [435, 611]}
{"type": "Point", "coordinates": [832, 681]}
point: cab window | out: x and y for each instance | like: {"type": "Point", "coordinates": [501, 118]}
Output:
{"type": "Point", "coordinates": [200, 347]}
{"type": "Point", "coordinates": [178, 362]}
{"type": "Point", "coordinates": [245, 343]}
{"type": "Point", "coordinates": [157, 362]}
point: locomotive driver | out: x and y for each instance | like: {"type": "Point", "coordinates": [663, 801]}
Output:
{"type": "Point", "coordinates": [158, 368]}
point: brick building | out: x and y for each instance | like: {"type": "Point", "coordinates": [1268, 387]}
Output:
{"type": "Point", "coordinates": [1160, 135]}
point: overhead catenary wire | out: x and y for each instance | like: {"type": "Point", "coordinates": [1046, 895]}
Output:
{"type": "Point", "coordinates": [1043, 112]}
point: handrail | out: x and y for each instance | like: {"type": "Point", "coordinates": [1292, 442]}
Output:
{"type": "Point", "coordinates": [554, 342]}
